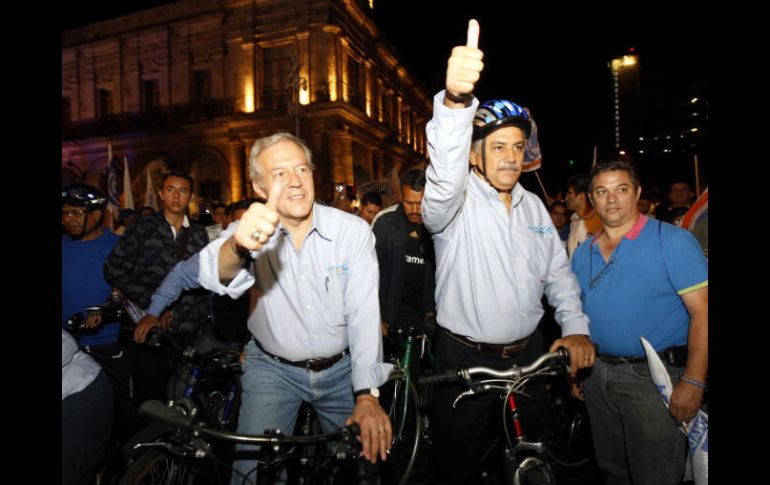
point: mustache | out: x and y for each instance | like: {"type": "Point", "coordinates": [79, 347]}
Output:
{"type": "Point", "coordinates": [505, 165]}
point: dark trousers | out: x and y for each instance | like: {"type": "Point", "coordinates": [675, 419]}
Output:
{"type": "Point", "coordinates": [114, 361]}
{"type": "Point", "coordinates": [464, 435]}
{"type": "Point", "coordinates": [153, 367]}
{"type": "Point", "coordinates": [86, 421]}
{"type": "Point", "coordinates": [635, 438]}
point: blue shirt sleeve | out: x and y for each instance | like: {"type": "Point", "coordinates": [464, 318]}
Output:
{"type": "Point", "coordinates": [686, 266]}
{"type": "Point", "coordinates": [183, 276]}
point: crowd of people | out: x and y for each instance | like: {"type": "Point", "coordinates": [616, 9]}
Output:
{"type": "Point", "coordinates": [311, 293]}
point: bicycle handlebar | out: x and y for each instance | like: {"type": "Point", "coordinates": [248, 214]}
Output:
{"type": "Point", "coordinates": [157, 411]}
{"type": "Point", "coordinates": [516, 372]}
{"type": "Point", "coordinates": [501, 380]}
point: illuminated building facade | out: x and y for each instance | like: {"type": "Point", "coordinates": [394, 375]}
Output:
{"type": "Point", "coordinates": [194, 83]}
{"type": "Point", "coordinates": [660, 119]}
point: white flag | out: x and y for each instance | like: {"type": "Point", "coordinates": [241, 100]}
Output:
{"type": "Point", "coordinates": [128, 196]}
{"type": "Point", "coordinates": [697, 430]}
{"type": "Point", "coordinates": [150, 199]}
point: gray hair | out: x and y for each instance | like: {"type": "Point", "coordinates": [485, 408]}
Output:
{"type": "Point", "coordinates": [264, 143]}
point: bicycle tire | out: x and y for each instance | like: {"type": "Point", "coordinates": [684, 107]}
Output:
{"type": "Point", "coordinates": [158, 467]}
{"type": "Point", "coordinates": [405, 447]}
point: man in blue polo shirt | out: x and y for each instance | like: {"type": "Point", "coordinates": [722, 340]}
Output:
{"type": "Point", "coordinates": [85, 245]}
{"type": "Point", "coordinates": [641, 278]}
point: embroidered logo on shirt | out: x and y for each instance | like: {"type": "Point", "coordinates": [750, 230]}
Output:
{"type": "Point", "coordinates": [339, 269]}
{"type": "Point", "coordinates": [545, 231]}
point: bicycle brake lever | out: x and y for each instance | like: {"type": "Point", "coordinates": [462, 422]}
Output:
{"type": "Point", "coordinates": [462, 395]}
{"type": "Point", "coordinates": [198, 451]}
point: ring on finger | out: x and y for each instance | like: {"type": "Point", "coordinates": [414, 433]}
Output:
{"type": "Point", "coordinates": [256, 234]}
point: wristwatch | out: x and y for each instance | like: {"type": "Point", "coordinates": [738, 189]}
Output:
{"type": "Point", "coordinates": [372, 391]}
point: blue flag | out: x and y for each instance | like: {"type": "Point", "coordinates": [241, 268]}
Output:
{"type": "Point", "coordinates": [532, 156]}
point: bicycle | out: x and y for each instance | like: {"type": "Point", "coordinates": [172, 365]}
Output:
{"type": "Point", "coordinates": [190, 444]}
{"type": "Point", "coordinates": [529, 462]}
{"type": "Point", "coordinates": [210, 393]}
{"type": "Point", "coordinates": [405, 407]}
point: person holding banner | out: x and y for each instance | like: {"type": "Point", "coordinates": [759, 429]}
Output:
{"type": "Point", "coordinates": [497, 252]}
{"type": "Point", "coordinates": [641, 278]}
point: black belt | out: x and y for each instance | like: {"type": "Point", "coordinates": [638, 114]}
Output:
{"type": "Point", "coordinates": [676, 356]}
{"type": "Point", "coordinates": [505, 351]}
{"type": "Point", "coordinates": [316, 365]}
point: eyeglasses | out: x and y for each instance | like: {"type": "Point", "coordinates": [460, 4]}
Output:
{"type": "Point", "coordinates": [593, 282]}
{"type": "Point", "coordinates": [72, 213]}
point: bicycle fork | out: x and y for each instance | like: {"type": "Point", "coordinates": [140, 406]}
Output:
{"type": "Point", "coordinates": [524, 456]}
{"type": "Point", "coordinates": [407, 362]}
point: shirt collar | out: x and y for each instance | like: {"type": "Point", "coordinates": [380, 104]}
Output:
{"type": "Point", "coordinates": [321, 224]}
{"type": "Point", "coordinates": [633, 233]}
{"type": "Point", "coordinates": [637, 227]}
{"type": "Point", "coordinates": [185, 223]}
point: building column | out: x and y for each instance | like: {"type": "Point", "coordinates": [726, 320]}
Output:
{"type": "Point", "coordinates": [236, 157]}
{"type": "Point", "coordinates": [333, 73]}
{"type": "Point", "coordinates": [341, 157]}
{"type": "Point", "coordinates": [378, 164]}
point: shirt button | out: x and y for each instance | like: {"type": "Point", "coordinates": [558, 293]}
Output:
{"type": "Point", "coordinates": [302, 277]}
{"type": "Point", "coordinates": [307, 306]}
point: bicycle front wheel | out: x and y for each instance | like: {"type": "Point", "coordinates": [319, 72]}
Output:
{"type": "Point", "coordinates": [158, 467]}
{"type": "Point", "coordinates": [403, 409]}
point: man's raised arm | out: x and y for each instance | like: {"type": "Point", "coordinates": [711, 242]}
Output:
{"type": "Point", "coordinates": [449, 134]}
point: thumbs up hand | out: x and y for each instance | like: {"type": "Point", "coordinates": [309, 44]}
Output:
{"type": "Point", "coordinates": [464, 69]}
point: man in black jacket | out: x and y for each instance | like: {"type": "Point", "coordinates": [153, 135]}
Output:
{"type": "Point", "coordinates": [137, 265]}
{"type": "Point", "coordinates": [405, 255]}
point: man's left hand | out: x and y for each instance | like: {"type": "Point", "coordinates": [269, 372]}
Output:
{"type": "Point", "coordinates": [582, 353]}
{"type": "Point", "coordinates": [376, 432]}
{"type": "Point", "coordinates": [685, 402]}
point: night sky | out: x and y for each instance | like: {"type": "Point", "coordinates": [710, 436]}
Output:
{"type": "Point", "coordinates": [551, 59]}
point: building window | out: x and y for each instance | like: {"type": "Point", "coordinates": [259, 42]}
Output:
{"type": "Point", "coordinates": [105, 103]}
{"type": "Point", "coordinates": [276, 76]}
{"type": "Point", "coordinates": [201, 89]}
{"type": "Point", "coordinates": [66, 112]}
{"type": "Point", "coordinates": [387, 108]}
{"type": "Point", "coordinates": [150, 95]}
{"type": "Point", "coordinates": [355, 93]}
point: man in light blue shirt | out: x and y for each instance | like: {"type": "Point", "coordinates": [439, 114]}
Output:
{"type": "Point", "coordinates": [86, 413]}
{"type": "Point", "coordinates": [316, 323]}
{"type": "Point", "coordinates": [497, 252]}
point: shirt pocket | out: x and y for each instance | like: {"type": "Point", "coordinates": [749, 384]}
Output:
{"type": "Point", "coordinates": [333, 298]}
{"type": "Point", "coordinates": [530, 258]}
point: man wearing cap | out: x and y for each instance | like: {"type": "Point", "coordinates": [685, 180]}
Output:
{"type": "Point", "coordinates": [497, 252]}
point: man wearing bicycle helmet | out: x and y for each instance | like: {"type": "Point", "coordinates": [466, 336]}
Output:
{"type": "Point", "coordinates": [497, 253]}
{"type": "Point", "coordinates": [84, 248]}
